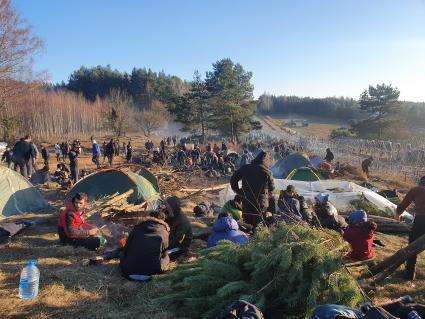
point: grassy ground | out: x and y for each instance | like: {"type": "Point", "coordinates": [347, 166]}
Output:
{"type": "Point", "coordinates": [70, 290]}
{"type": "Point", "coordinates": [318, 127]}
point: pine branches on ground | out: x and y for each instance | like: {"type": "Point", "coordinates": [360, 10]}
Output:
{"type": "Point", "coordinates": [285, 270]}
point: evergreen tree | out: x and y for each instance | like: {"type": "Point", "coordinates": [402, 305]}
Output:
{"type": "Point", "coordinates": [231, 98]}
{"type": "Point", "coordinates": [382, 105]}
{"type": "Point", "coordinates": [193, 109]}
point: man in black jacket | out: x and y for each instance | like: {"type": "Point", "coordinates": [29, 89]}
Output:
{"type": "Point", "coordinates": [22, 154]}
{"type": "Point", "coordinates": [145, 252]}
{"type": "Point", "coordinates": [180, 228]}
{"type": "Point", "coordinates": [257, 186]}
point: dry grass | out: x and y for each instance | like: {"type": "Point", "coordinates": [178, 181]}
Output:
{"type": "Point", "coordinates": [318, 127]}
{"type": "Point", "coordinates": [69, 290]}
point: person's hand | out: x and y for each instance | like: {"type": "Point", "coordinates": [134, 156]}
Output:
{"type": "Point", "coordinates": [397, 217]}
{"type": "Point", "coordinates": [94, 231]}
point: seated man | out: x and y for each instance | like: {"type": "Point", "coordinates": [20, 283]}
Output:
{"type": "Point", "coordinates": [328, 214]}
{"type": "Point", "coordinates": [233, 207]}
{"type": "Point", "coordinates": [180, 227]}
{"type": "Point", "coordinates": [226, 228]}
{"type": "Point", "coordinates": [145, 251]}
{"type": "Point", "coordinates": [72, 227]}
{"type": "Point", "coordinates": [359, 234]}
{"type": "Point", "coordinates": [288, 203]}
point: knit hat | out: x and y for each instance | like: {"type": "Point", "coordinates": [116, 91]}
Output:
{"type": "Point", "coordinates": [357, 217]}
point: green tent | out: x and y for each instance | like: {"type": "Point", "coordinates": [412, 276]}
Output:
{"type": "Point", "coordinates": [18, 195]}
{"type": "Point", "coordinates": [282, 168]}
{"type": "Point", "coordinates": [119, 180]}
{"type": "Point", "coordinates": [304, 174]}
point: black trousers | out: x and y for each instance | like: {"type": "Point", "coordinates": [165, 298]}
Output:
{"type": "Point", "coordinates": [417, 231]}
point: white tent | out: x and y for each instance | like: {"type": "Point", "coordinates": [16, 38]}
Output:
{"type": "Point", "coordinates": [341, 193]}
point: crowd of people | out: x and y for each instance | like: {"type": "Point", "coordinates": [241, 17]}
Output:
{"type": "Point", "coordinates": [166, 234]}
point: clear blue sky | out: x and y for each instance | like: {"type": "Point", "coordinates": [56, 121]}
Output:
{"type": "Point", "coordinates": [314, 47]}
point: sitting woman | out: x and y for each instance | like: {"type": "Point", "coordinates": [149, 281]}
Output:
{"type": "Point", "coordinates": [226, 228]}
{"type": "Point", "coordinates": [359, 235]}
{"type": "Point", "coordinates": [73, 229]}
{"type": "Point", "coordinates": [145, 251]}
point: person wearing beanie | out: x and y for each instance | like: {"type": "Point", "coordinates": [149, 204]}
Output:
{"type": "Point", "coordinates": [417, 196]}
{"type": "Point", "coordinates": [257, 187]}
{"type": "Point", "coordinates": [359, 234]}
{"type": "Point", "coordinates": [180, 228]}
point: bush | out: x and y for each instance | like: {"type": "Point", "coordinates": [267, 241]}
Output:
{"type": "Point", "coordinates": [285, 270]}
{"type": "Point", "coordinates": [371, 209]}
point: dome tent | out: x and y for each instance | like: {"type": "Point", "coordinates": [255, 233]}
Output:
{"type": "Point", "coordinates": [282, 168]}
{"type": "Point", "coordinates": [119, 180]}
{"type": "Point", "coordinates": [18, 195]}
{"type": "Point", "coordinates": [303, 174]}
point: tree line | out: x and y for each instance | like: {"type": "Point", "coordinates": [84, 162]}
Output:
{"type": "Point", "coordinates": [142, 85]}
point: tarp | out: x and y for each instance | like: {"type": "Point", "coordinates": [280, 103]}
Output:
{"type": "Point", "coordinates": [304, 174]}
{"type": "Point", "coordinates": [18, 195]}
{"type": "Point", "coordinates": [316, 160]}
{"type": "Point", "coordinates": [341, 193]}
{"type": "Point", "coordinates": [119, 180]}
{"type": "Point", "coordinates": [282, 168]}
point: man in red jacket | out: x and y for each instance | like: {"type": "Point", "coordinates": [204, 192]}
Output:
{"type": "Point", "coordinates": [72, 227]}
{"type": "Point", "coordinates": [360, 234]}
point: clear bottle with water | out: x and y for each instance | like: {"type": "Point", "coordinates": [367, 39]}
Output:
{"type": "Point", "coordinates": [28, 285]}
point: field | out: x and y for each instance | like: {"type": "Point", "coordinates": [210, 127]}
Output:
{"type": "Point", "coordinates": [70, 290]}
{"type": "Point", "coordinates": [318, 127]}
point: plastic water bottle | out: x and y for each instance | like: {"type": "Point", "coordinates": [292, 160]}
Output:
{"type": "Point", "coordinates": [413, 315]}
{"type": "Point", "coordinates": [28, 285]}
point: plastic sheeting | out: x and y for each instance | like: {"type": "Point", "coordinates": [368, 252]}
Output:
{"type": "Point", "coordinates": [341, 193]}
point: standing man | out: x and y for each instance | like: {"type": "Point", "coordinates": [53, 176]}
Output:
{"type": "Point", "coordinates": [7, 157]}
{"type": "Point", "coordinates": [329, 155]}
{"type": "Point", "coordinates": [366, 164]}
{"type": "Point", "coordinates": [417, 196]}
{"type": "Point", "coordinates": [22, 154]}
{"type": "Point", "coordinates": [57, 149]}
{"type": "Point", "coordinates": [129, 152]}
{"type": "Point", "coordinates": [257, 187]}
{"type": "Point", "coordinates": [73, 162]}
{"type": "Point", "coordinates": [46, 156]}
{"type": "Point", "coordinates": [32, 163]}
{"type": "Point", "coordinates": [110, 151]}
{"type": "Point", "coordinates": [96, 153]}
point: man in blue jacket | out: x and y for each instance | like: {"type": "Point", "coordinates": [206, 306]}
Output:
{"type": "Point", "coordinates": [96, 153]}
{"type": "Point", "coordinates": [226, 228]}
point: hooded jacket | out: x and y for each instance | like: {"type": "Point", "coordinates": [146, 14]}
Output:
{"type": "Point", "coordinates": [360, 237]}
{"type": "Point", "coordinates": [257, 186]}
{"type": "Point", "coordinates": [72, 224]}
{"type": "Point", "coordinates": [96, 149]}
{"type": "Point", "coordinates": [180, 228]}
{"type": "Point", "coordinates": [226, 228]}
{"type": "Point", "coordinates": [145, 252]}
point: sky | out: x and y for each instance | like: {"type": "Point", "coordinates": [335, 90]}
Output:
{"type": "Point", "coordinates": [314, 48]}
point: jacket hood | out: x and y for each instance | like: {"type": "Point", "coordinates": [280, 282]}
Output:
{"type": "Point", "coordinates": [260, 159]}
{"type": "Point", "coordinates": [151, 223]}
{"type": "Point", "coordinates": [225, 224]}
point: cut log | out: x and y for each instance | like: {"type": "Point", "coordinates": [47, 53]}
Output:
{"type": "Point", "coordinates": [390, 264]}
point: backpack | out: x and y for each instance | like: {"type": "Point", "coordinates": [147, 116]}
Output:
{"type": "Point", "coordinates": [242, 310]}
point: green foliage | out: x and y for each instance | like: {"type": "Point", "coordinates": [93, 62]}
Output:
{"type": "Point", "coordinates": [142, 85]}
{"type": "Point", "coordinates": [330, 107]}
{"type": "Point", "coordinates": [285, 270]}
{"type": "Point", "coordinates": [341, 132]}
{"type": "Point", "coordinates": [382, 105]}
{"type": "Point", "coordinates": [371, 209]}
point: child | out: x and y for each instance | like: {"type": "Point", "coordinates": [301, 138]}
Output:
{"type": "Point", "coordinates": [72, 227]}
{"type": "Point", "coordinates": [360, 234]}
